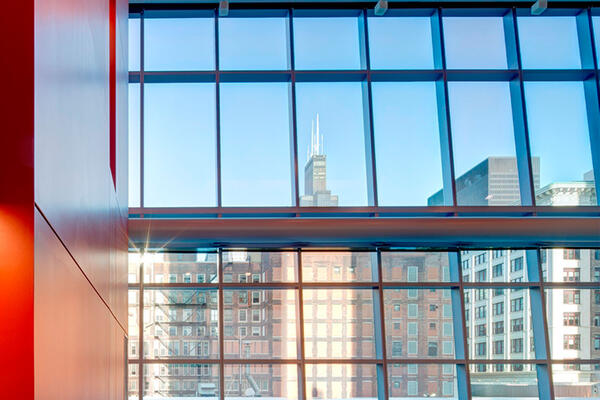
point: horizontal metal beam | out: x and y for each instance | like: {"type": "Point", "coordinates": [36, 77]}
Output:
{"type": "Point", "coordinates": [436, 232]}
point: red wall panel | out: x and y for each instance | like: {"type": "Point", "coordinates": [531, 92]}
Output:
{"type": "Point", "coordinates": [78, 343]}
{"type": "Point", "coordinates": [16, 199]}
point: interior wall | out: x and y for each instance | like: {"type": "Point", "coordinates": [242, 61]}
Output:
{"type": "Point", "coordinates": [80, 297]}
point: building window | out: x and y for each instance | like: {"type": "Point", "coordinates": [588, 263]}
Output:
{"type": "Point", "coordinates": [516, 325]}
{"type": "Point", "coordinates": [497, 253]}
{"type": "Point", "coordinates": [499, 347]}
{"type": "Point", "coordinates": [480, 349]}
{"type": "Point", "coordinates": [571, 342]}
{"type": "Point", "coordinates": [516, 345]}
{"type": "Point", "coordinates": [480, 294]}
{"type": "Point", "coordinates": [571, 318]}
{"type": "Point", "coordinates": [481, 330]}
{"type": "Point", "coordinates": [498, 327]}
{"type": "Point", "coordinates": [498, 308]}
{"type": "Point", "coordinates": [481, 275]}
{"type": "Point", "coordinates": [480, 312]}
{"type": "Point", "coordinates": [432, 349]}
{"type": "Point", "coordinates": [396, 348]}
{"type": "Point", "coordinates": [516, 264]}
{"type": "Point", "coordinates": [516, 304]}
{"type": "Point", "coordinates": [571, 254]}
{"type": "Point", "coordinates": [571, 297]}
{"type": "Point", "coordinates": [497, 270]}
{"type": "Point", "coordinates": [571, 275]}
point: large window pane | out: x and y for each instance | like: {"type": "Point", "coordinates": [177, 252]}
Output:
{"type": "Point", "coordinates": [549, 42]}
{"type": "Point", "coordinates": [132, 381]}
{"type": "Point", "coordinates": [403, 266]}
{"type": "Point", "coordinates": [254, 381]}
{"type": "Point", "coordinates": [163, 381]}
{"type": "Point", "coordinates": [400, 43]}
{"type": "Point", "coordinates": [134, 44]}
{"type": "Point", "coordinates": [338, 323]}
{"type": "Point", "coordinates": [571, 265]}
{"type": "Point", "coordinates": [331, 135]}
{"type": "Point", "coordinates": [497, 265]}
{"type": "Point", "coordinates": [259, 324]}
{"type": "Point", "coordinates": [255, 144]}
{"type": "Point", "coordinates": [498, 322]}
{"type": "Point", "coordinates": [475, 42]}
{"type": "Point", "coordinates": [181, 323]}
{"type": "Point", "coordinates": [418, 323]}
{"type": "Point", "coordinates": [179, 44]}
{"type": "Point", "coordinates": [407, 142]}
{"type": "Point", "coordinates": [179, 145]}
{"type": "Point", "coordinates": [576, 381]}
{"type": "Point", "coordinates": [253, 43]}
{"type": "Point", "coordinates": [422, 380]}
{"type": "Point", "coordinates": [180, 268]}
{"type": "Point", "coordinates": [596, 28]}
{"type": "Point", "coordinates": [259, 266]}
{"type": "Point", "coordinates": [327, 43]}
{"type": "Point", "coordinates": [134, 145]}
{"type": "Point", "coordinates": [341, 381]}
{"type": "Point", "coordinates": [559, 138]}
{"type": "Point", "coordinates": [504, 381]}
{"type": "Point", "coordinates": [573, 316]}
{"type": "Point", "coordinates": [338, 266]}
{"type": "Point", "coordinates": [483, 143]}
{"type": "Point", "coordinates": [133, 319]}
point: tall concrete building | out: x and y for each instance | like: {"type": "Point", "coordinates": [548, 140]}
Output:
{"type": "Point", "coordinates": [316, 193]}
{"type": "Point", "coordinates": [492, 182]}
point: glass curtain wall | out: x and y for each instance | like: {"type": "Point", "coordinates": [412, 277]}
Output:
{"type": "Point", "coordinates": [309, 323]}
{"type": "Point", "coordinates": [310, 108]}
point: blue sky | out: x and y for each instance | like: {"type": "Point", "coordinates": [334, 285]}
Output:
{"type": "Point", "coordinates": [180, 118]}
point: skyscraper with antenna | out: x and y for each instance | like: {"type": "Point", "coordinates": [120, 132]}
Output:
{"type": "Point", "coordinates": [316, 193]}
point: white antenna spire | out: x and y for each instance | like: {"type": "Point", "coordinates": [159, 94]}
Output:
{"type": "Point", "coordinates": [318, 149]}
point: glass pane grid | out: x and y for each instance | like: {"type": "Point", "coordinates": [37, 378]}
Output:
{"type": "Point", "coordinates": [358, 65]}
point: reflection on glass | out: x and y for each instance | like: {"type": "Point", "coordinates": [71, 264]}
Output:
{"type": "Point", "coordinates": [549, 42]}
{"type": "Point", "coordinates": [596, 27]}
{"type": "Point", "coordinates": [573, 323]}
{"type": "Point", "coordinates": [484, 146]}
{"type": "Point", "coordinates": [253, 44]}
{"type": "Point", "coordinates": [180, 268]}
{"type": "Point", "coordinates": [422, 380]}
{"type": "Point", "coordinates": [179, 145]}
{"type": "Point", "coordinates": [401, 266]}
{"type": "Point", "coordinates": [258, 266]}
{"type": "Point", "coordinates": [576, 381]}
{"type": "Point", "coordinates": [163, 381]}
{"type": "Point", "coordinates": [134, 44]}
{"type": "Point", "coordinates": [331, 144]}
{"type": "Point", "coordinates": [341, 381]}
{"type": "Point", "coordinates": [134, 145]}
{"type": "Point", "coordinates": [418, 323]}
{"type": "Point", "coordinates": [259, 323]}
{"type": "Point", "coordinates": [570, 265]}
{"type": "Point", "coordinates": [133, 320]}
{"type": "Point", "coordinates": [327, 43]}
{"type": "Point", "coordinates": [498, 323]}
{"type": "Point", "coordinates": [338, 323]}
{"type": "Point", "coordinates": [400, 43]}
{"type": "Point", "coordinates": [407, 142]}
{"type": "Point", "coordinates": [497, 265]}
{"type": "Point", "coordinates": [559, 137]}
{"type": "Point", "coordinates": [253, 381]}
{"type": "Point", "coordinates": [181, 323]}
{"type": "Point", "coordinates": [179, 44]}
{"type": "Point", "coordinates": [504, 381]}
{"type": "Point", "coordinates": [255, 149]}
{"type": "Point", "coordinates": [338, 266]}
{"type": "Point", "coordinates": [474, 42]}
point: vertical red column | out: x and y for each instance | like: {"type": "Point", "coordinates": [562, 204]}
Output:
{"type": "Point", "coordinates": [16, 198]}
{"type": "Point", "coordinates": [113, 88]}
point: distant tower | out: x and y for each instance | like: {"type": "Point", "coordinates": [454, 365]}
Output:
{"type": "Point", "coordinates": [315, 172]}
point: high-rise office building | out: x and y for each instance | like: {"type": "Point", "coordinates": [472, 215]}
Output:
{"type": "Point", "coordinates": [315, 173]}
{"type": "Point", "coordinates": [492, 182]}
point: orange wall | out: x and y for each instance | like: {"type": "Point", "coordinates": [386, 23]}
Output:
{"type": "Point", "coordinates": [63, 239]}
